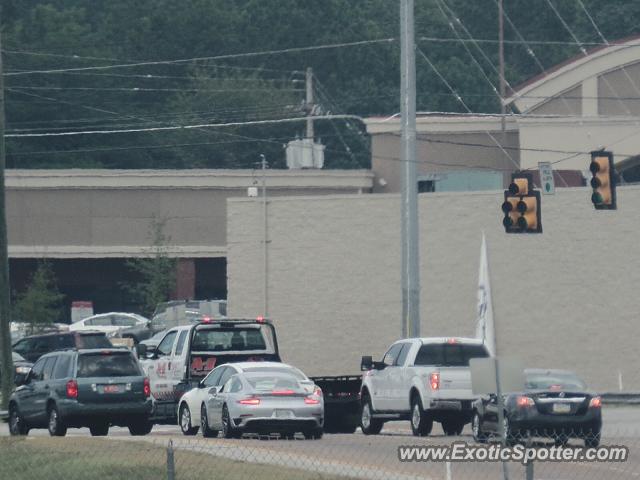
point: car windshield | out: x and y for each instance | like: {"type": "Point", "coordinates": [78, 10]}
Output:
{"type": "Point", "coordinates": [553, 381]}
{"type": "Point", "coordinates": [221, 339]}
{"type": "Point", "coordinates": [93, 341]}
{"type": "Point", "coordinates": [449, 354]}
{"type": "Point", "coordinates": [16, 357]}
{"type": "Point", "coordinates": [107, 364]}
{"type": "Point", "coordinates": [273, 382]}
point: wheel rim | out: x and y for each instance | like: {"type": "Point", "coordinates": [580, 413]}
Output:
{"type": "Point", "coordinates": [366, 416]}
{"type": "Point", "coordinates": [225, 421]}
{"type": "Point", "coordinates": [185, 419]}
{"type": "Point", "coordinates": [476, 426]}
{"type": "Point", "coordinates": [15, 421]}
{"type": "Point", "coordinates": [505, 427]}
{"type": "Point", "coordinates": [53, 420]}
{"type": "Point", "coordinates": [203, 419]}
{"type": "Point", "coordinates": [415, 417]}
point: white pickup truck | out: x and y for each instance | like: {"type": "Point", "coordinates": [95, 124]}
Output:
{"type": "Point", "coordinates": [422, 380]}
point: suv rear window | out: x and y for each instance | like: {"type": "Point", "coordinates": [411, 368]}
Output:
{"type": "Point", "coordinates": [107, 365]}
{"type": "Point", "coordinates": [449, 355]}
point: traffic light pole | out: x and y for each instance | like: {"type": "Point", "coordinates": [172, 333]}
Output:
{"type": "Point", "coordinates": [6, 361]}
{"type": "Point", "coordinates": [409, 208]}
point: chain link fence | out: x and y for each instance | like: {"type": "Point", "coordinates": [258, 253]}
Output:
{"type": "Point", "coordinates": [394, 454]}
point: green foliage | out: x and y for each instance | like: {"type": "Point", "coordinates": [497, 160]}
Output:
{"type": "Point", "coordinates": [40, 304]}
{"type": "Point", "coordinates": [219, 87]}
{"type": "Point", "coordinates": [155, 274]}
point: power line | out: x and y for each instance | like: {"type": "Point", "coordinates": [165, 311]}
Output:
{"type": "Point", "coordinates": [216, 57]}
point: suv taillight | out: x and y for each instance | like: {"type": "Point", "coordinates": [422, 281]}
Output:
{"type": "Point", "coordinates": [596, 402]}
{"type": "Point", "coordinates": [72, 389]}
{"type": "Point", "coordinates": [146, 388]}
{"type": "Point", "coordinates": [434, 381]}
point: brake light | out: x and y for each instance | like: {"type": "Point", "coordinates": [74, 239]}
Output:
{"type": "Point", "coordinates": [525, 402]}
{"type": "Point", "coordinates": [596, 402]}
{"type": "Point", "coordinates": [249, 401]}
{"type": "Point", "coordinates": [260, 320]}
{"type": "Point", "coordinates": [434, 381]}
{"type": "Point", "coordinates": [452, 341]}
{"type": "Point", "coordinates": [282, 392]}
{"type": "Point", "coordinates": [72, 389]}
{"type": "Point", "coordinates": [311, 401]}
{"type": "Point", "coordinates": [146, 387]}
{"type": "Point", "coordinates": [206, 320]}
{"type": "Point", "coordinates": [555, 388]}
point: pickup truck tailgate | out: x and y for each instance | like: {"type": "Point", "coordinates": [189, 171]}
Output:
{"type": "Point", "coordinates": [455, 383]}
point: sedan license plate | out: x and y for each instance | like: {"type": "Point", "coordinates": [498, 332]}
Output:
{"type": "Point", "coordinates": [561, 408]}
{"type": "Point", "coordinates": [284, 414]}
{"type": "Point", "coordinates": [111, 389]}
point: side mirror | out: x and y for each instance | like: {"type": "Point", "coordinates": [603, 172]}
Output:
{"type": "Point", "coordinates": [22, 378]}
{"type": "Point", "coordinates": [214, 390]}
{"type": "Point", "coordinates": [366, 363]}
{"type": "Point", "coordinates": [141, 349]}
{"type": "Point", "coordinates": [201, 384]}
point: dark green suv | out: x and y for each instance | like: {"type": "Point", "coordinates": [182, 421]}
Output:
{"type": "Point", "coordinates": [93, 388]}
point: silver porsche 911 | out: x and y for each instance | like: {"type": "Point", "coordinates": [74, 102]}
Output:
{"type": "Point", "coordinates": [265, 402]}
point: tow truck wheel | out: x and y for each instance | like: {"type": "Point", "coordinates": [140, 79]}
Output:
{"type": "Point", "coordinates": [476, 429]}
{"type": "Point", "coordinates": [452, 427]}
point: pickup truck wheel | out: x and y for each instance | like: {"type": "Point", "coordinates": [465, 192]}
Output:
{"type": "Point", "coordinates": [421, 422]}
{"type": "Point", "coordinates": [476, 429]}
{"type": "Point", "coordinates": [185, 421]}
{"type": "Point", "coordinates": [140, 428]}
{"type": "Point", "coordinates": [207, 432]}
{"type": "Point", "coordinates": [452, 427]}
{"type": "Point", "coordinates": [369, 425]}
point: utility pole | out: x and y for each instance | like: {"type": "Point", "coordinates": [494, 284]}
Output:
{"type": "Point", "coordinates": [409, 209]}
{"type": "Point", "coordinates": [309, 103]}
{"type": "Point", "coordinates": [265, 308]}
{"type": "Point", "coordinates": [503, 109]}
{"type": "Point", "coordinates": [5, 306]}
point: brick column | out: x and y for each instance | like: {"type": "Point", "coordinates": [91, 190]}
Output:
{"type": "Point", "coordinates": [185, 279]}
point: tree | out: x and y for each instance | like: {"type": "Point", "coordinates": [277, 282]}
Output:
{"type": "Point", "coordinates": [155, 274]}
{"type": "Point", "coordinates": [40, 304]}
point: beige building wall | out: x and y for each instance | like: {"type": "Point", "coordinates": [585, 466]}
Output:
{"type": "Point", "coordinates": [565, 298]}
{"type": "Point", "coordinates": [110, 213]}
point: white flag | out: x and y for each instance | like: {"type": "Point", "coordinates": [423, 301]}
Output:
{"type": "Point", "coordinates": [484, 319]}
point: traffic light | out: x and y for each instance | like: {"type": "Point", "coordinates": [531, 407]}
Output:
{"type": "Point", "coordinates": [521, 206]}
{"type": "Point", "coordinates": [603, 180]}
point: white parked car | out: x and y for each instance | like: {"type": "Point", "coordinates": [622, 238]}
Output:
{"type": "Point", "coordinates": [194, 410]}
{"type": "Point", "coordinates": [109, 323]}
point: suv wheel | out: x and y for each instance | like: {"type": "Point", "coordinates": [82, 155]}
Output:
{"type": "Point", "coordinates": [99, 429]}
{"type": "Point", "coordinates": [207, 432]}
{"type": "Point", "coordinates": [56, 426]}
{"type": "Point", "coordinates": [140, 428]}
{"type": "Point", "coordinates": [421, 421]}
{"type": "Point", "coordinates": [17, 425]}
{"type": "Point", "coordinates": [185, 421]}
{"type": "Point", "coordinates": [368, 424]}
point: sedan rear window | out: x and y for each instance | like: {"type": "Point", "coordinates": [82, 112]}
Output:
{"type": "Point", "coordinates": [269, 382]}
{"type": "Point", "coordinates": [107, 365]}
{"type": "Point", "coordinates": [449, 355]}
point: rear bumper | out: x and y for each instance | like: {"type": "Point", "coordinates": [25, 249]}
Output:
{"type": "Point", "coordinates": [550, 425]}
{"type": "Point", "coordinates": [269, 424]}
{"type": "Point", "coordinates": [77, 414]}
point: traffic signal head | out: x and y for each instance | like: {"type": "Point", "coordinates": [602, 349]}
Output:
{"type": "Point", "coordinates": [603, 181]}
{"type": "Point", "coordinates": [521, 206]}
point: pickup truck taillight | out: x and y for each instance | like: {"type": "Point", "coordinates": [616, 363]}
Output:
{"type": "Point", "coordinates": [72, 389]}
{"type": "Point", "coordinates": [434, 381]}
{"type": "Point", "coordinates": [146, 388]}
